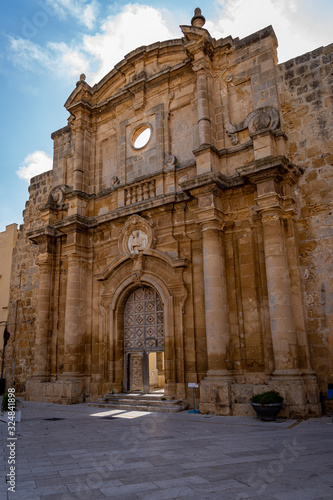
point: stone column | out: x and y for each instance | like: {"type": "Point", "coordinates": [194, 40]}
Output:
{"type": "Point", "coordinates": [279, 294]}
{"type": "Point", "coordinates": [78, 160]}
{"type": "Point", "coordinates": [216, 300]}
{"type": "Point", "coordinates": [287, 377]}
{"type": "Point", "coordinates": [207, 157]}
{"type": "Point", "coordinates": [73, 320]}
{"type": "Point", "coordinates": [42, 361]}
{"type": "Point", "coordinates": [203, 104]}
{"type": "Point", "coordinates": [215, 387]}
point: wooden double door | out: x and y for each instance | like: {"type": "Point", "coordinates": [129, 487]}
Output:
{"type": "Point", "coordinates": [143, 341]}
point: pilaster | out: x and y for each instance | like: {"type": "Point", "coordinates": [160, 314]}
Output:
{"type": "Point", "coordinates": [199, 45]}
{"type": "Point", "coordinates": [43, 323]}
{"type": "Point", "coordinates": [45, 238]}
{"type": "Point", "coordinates": [215, 387]}
{"type": "Point", "coordinates": [73, 356]}
{"type": "Point", "coordinates": [274, 177]}
{"type": "Point", "coordinates": [78, 171]}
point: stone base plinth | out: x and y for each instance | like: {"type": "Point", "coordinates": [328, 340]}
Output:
{"type": "Point", "coordinates": [177, 391]}
{"type": "Point", "coordinates": [312, 394]}
{"type": "Point", "coordinates": [223, 397]}
{"type": "Point", "coordinates": [300, 392]}
{"type": "Point", "coordinates": [215, 396]}
{"type": "Point", "coordinates": [301, 395]}
{"type": "Point", "coordinates": [60, 391]}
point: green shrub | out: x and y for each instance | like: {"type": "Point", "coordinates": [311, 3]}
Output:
{"type": "Point", "coordinates": [4, 403]}
{"type": "Point", "coordinates": [267, 398]}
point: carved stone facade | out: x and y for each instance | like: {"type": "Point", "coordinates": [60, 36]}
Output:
{"type": "Point", "coordinates": [203, 255]}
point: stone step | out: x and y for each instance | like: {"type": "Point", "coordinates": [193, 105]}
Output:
{"type": "Point", "coordinates": [136, 398]}
{"type": "Point", "coordinates": [140, 402]}
{"type": "Point", "coordinates": [139, 395]}
{"type": "Point", "coordinates": [140, 407]}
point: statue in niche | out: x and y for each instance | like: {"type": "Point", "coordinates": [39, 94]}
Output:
{"type": "Point", "coordinates": [137, 242]}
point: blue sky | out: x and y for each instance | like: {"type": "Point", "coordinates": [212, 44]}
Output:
{"type": "Point", "coordinates": [46, 44]}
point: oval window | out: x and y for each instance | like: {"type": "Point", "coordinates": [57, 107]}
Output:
{"type": "Point", "coordinates": [141, 137]}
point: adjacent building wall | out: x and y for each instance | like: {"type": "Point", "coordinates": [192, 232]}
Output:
{"type": "Point", "coordinates": [24, 284]}
{"type": "Point", "coordinates": [7, 243]}
{"type": "Point", "coordinates": [306, 95]}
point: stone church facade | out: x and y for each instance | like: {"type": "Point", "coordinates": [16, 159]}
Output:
{"type": "Point", "coordinates": [201, 254]}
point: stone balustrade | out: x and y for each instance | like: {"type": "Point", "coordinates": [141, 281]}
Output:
{"type": "Point", "coordinates": [141, 191]}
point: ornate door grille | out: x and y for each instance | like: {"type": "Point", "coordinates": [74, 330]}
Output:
{"type": "Point", "coordinates": [143, 322]}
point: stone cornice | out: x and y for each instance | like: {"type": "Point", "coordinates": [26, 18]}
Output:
{"type": "Point", "coordinates": [223, 153]}
{"type": "Point", "coordinates": [45, 238]}
{"type": "Point", "coordinates": [118, 213]}
{"type": "Point", "coordinates": [271, 167]}
{"type": "Point", "coordinates": [215, 179]}
{"type": "Point", "coordinates": [41, 234]}
{"type": "Point", "coordinates": [61, 131]}
{"type": "Point", "coordinates": [73, 223]}
{"type": "Point", "coordinates": [123, 92]}
{"type": "Point", "coordinates": [116, 262]}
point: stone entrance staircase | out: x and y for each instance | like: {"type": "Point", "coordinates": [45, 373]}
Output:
{"type": "Point", "coordinates": [140, 402]}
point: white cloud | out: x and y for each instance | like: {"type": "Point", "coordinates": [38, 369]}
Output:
{"type": "Point", "coordinates": [298, 26]}
{"type": "Point", "coordinates": [136, 25]}
{"type": "Point", "coordinates": [66, 60]}
{"type": "Point", "coordinates": [58, 58]}
{"type": "Point", "coordinates": [34, 164]}
{"type": "Point", "coordinates": [97, 54]}
{"type": "Point", "coordinates": [85, 13]}
{"type": "Point", "coordinates": [89, 15]}
{"type": "Point", "coordinates": [25, 53]}
{"type": "Point", "coordinates": [297, 23]}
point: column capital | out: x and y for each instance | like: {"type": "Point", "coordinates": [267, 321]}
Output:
{"type": "Point", "coordinates": [45, 238]}
{"type": "Point", "coordinates": [198, 42]}
{"type": "Point", "coordinates": [271, 202]}
{"type": "Point", "coordinates": [270, 217]}
{"type": "Point", "coordinates": [44, 262]}
{"type": "Point", "coordinates": [275, 205]}
{"type": "Point", "coordinates": [78, 127]}
{"type": "Point", "coordinates": [211, 225]}
{"type": "Point", "coordinates": [74, 258]}
{"type": "Point", "coordinates": [202, 66]}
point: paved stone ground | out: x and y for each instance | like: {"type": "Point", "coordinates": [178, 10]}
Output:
{"type": "Point", "coordinates": [93, 454]}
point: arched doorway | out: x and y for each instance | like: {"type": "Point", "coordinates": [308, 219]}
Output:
{"type": "Point", "coordinates": [143, 341]}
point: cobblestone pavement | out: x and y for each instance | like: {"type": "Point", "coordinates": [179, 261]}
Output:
{"type": "Point", "coordinates": [80, 452]}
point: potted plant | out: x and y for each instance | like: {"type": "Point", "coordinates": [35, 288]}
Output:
{"type": "Point", "coordinates": [9, 403]}
{"type": "Point", "coordinates": [267, 405]}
